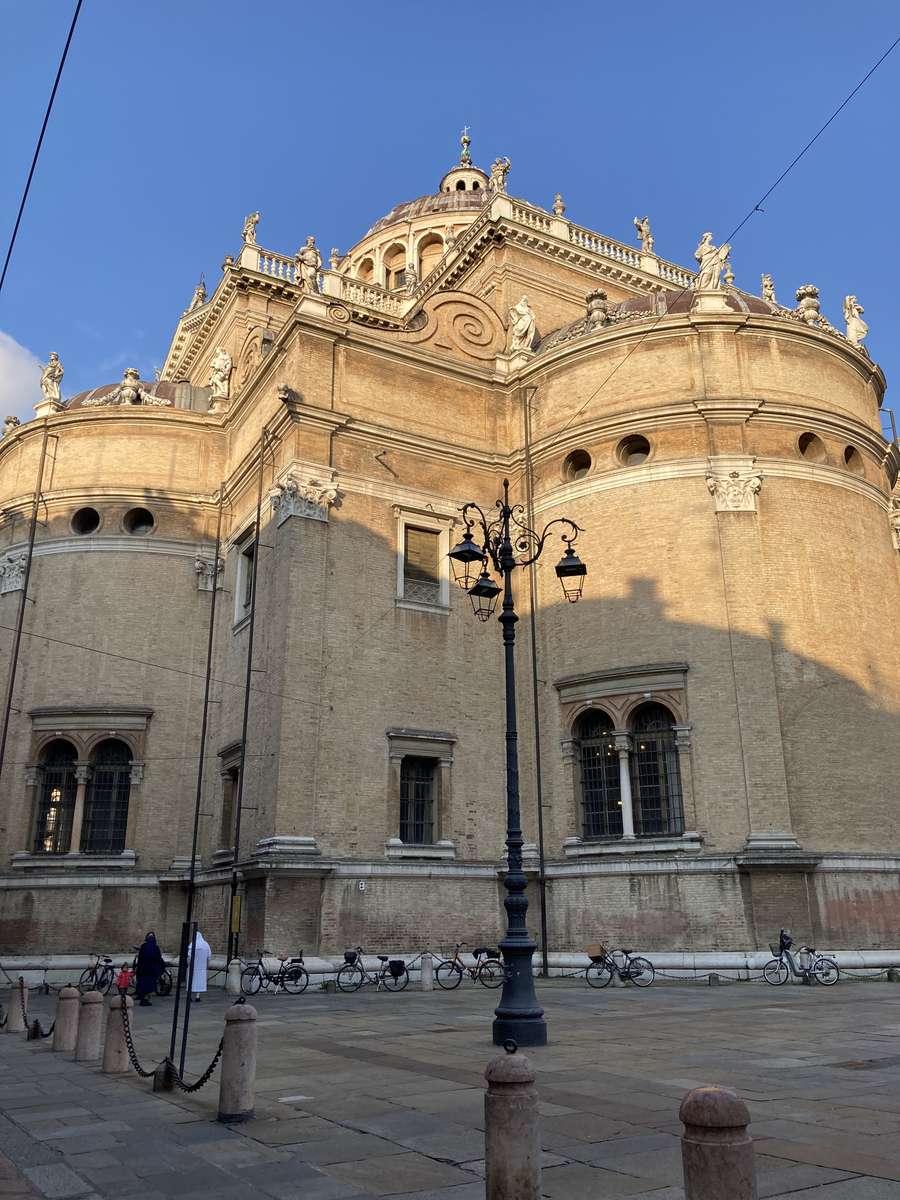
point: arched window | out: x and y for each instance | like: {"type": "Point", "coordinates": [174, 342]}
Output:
{"type": "Point", "coordinates": [430, 250]}
{"type": "Point", "coordinates": [418, 784]}
{"type": "Point", "coordinates": [601, 799]}
{"type": "Point", "coordinates": [366, 270]}
{"type": "Point", "coordinates": [106, 803]}
{"type": "Point", "coordinates": [655, 778]}
{"type": "Point", "coordinates": [56, 798]}
{"type": "Point", "coordinates": [395, 267]}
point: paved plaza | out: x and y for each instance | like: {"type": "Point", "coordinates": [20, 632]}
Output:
{"type": "Point", "coordinates": [378, 1094]}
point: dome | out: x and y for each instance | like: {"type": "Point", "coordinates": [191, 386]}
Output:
{"type": "Point", "coordinates": [164, 393]}
{"type": "Point", "coordinates": [442, 202]}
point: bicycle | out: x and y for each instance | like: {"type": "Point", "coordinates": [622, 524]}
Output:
{"type": "Point", "coordinates": [818, 968]}
{"type": "Point", "coordinates": [291, 975]}
{"type": "Point", "coordinates": [640, 971]}
{"type": "Point", "coordinates": [392, 975]}
{"type": "Point", "coordinates": [488, 970]}
{"type": "Point", "coordinates": [97, 978]}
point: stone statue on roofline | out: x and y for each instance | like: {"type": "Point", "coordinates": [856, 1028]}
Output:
{"type": "Point", "coordinates": [308, 262]}
{"type": "Point", "coordinates": [499, 171]}
{"type": "Point", "coordinates": [856, 326]}
{"type": "Point", "coordinates": [559, 209]}
{"type": "Point", "coordinates": [10, 425]}
{"type": "Point", "coordinates": [412, 278]}
{"type": "Point", "coordinates": [249, 234]}
{"type": "Point", "coordinates": [220, 376]}
{"type": "Point", "coordinates": [51, 377]}
{"type": "Point", "coordinates": [645, 235]}
{"type": "Point", "coordinates": [768, 289]}
{"type": "Point", "coordinates": [711, 259]}
{"type": "Point", "coordinates": [522, 327]}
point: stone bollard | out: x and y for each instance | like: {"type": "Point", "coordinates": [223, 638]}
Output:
{"type": "Point", "coordinates": [233, 978]}
{"type": "Point", "coordinates": [90, 1022]}
{"type": "Point", "coordinates": [18, 1003]}
{"type": "Point", "coordinates": [329, 985]}
{"type": "Point", "coordinates": [164, 1077]}
{"type": "Point", "coordinates": [65, 1027]}
{"type": "Point", "coordinates": [237, 1084]}
{"type": "Point", "coordinates": [512, 1142]}
{"type": "Point", "coordinates": [713, 980]}
{"type": "Point", "coordinates": [426, 978]}
{"type": "Point", "coordinates": [115, 1048]}
{"type": "Point", "coordinates": [716, 1149]}
{"type": "Point", "coordinates": [893, 975]}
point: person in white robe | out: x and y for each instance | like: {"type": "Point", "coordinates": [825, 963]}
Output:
{"type": "Point", "coordinates": [199, 966]}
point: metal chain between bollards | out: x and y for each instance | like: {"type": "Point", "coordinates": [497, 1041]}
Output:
{"type": "Point", "coordinates": [129, 1044]}
{"type": "Point", "coordinates": [204, 1078]}
{"type": "Point", "coordinates": [173, 1074]}
{"type": "Point", "coordinates": [22, 1000]}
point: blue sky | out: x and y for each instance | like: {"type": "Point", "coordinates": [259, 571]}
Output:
{"type": "Point", "coordinates": [174, 119]}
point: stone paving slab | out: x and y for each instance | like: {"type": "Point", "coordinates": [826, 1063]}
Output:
{"type": "Point", "coordinates": [375, 1095]}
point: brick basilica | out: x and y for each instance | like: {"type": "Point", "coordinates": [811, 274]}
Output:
{"type": "Point", "coordinates": [717, 718]}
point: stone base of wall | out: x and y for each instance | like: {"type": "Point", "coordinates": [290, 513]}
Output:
{"type": "Point", "coordinates": [705, 904]}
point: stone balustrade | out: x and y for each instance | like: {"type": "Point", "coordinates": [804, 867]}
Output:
{"type": "Point", "coordinates": [532, 217]}
{"type": "Point", "coordinates": [277, 265]}
{"type": "Point", "coordinates": [589, 240]}
{"type": "Point", "coordinates": [370, 295]}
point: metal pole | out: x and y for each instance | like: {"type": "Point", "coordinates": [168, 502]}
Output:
{"type": "Point", "coordinates": [20, 619]}
{"type": "Point", "coordinates": [518, 1015]}
{"type": "Point", "coordinates": [188, 996]}
{"type": "Point", "coordinates": [191, 888]}
{"type": "Point", "coordinates": [233, 938]}
{"type": "Point", "coordinates": [538, 774]}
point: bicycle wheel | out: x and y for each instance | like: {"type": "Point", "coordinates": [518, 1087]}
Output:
{"type": "Point", "coordinates": [164, 984]}
{"type": "Point", "coordinates": [251, 980]}
{"type": "Point", "coordinates": [350, 978]}
{"type": "Point", "coordinates": [826, 971]}
{"type": "Point", "coordinates": [598, 974]}
{"type": "Point", "coordinates": [448, 975]}
{"type": "Point", "coordinates": [87, 981]}
{"type": "Point", "coordinates": [107, 978]}
{"type": "Point", "coordinates": [491, 973]}
{"type": "Point", "coordinates": [775, 972]}
{"type": "Point", "coordinates": [296, 980]}
{"type": "Point", "coordinates": [641, 971]}
{"type": "Point", "coordinates": [395, 983]}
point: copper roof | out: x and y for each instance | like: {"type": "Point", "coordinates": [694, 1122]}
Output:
{"type": "Point", "coordinates": [443, 202]}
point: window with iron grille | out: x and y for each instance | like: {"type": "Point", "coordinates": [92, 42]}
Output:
{"type": "Point", "coordinates": [421, 580]}
{"type": "Point", "coordinates": [106, 802]}
{"type": "Point", "coordinates": [56, 798]}
{"type": "Point", "coordinates": [601, 798]}
{"type": "Point", "coordinates": [655, 777]}
{"type": "Point", "coordinates": [418, 784]}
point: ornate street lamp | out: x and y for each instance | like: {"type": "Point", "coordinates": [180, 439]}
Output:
{"type": "Point", "coordinates": [506, 542]}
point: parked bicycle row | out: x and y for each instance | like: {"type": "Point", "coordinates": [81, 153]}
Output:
{"type": "Point", "coordinates": [485, 968]}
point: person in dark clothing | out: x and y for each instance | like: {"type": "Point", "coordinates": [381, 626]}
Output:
{"type": "Point", "coordinates": [150, 965]}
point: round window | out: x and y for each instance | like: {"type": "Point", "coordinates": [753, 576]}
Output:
{"type": "Point", "coordinates": [853, 460]}
{"type": "Point", "coordinates": [576, 465]}
{"type": "Point", "coordinates": [812, 447]}
{"type": "Point", "coordinates": [85, 520]}
{"type": "Point", "coordinates": [138, 521]}
{"type": "Point", "coordinates": [632, 451]}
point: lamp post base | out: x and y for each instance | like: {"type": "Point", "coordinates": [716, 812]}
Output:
{"type": "Point", "coordinates": [518, 1015]}
{"type": "Point", "coordinates": [524, 1031]}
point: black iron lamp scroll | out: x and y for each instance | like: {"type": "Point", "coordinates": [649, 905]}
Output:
{"type": "Point", "coordinates": [504, 543]}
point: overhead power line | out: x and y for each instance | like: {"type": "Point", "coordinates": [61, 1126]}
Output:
{"type": "Point", "coordinates": [40, 142]}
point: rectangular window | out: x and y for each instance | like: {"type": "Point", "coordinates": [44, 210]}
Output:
{"type": "Point", "coordinates": [421, 581]}
{"type": "Point", "coordinates": [418, 784]}
{"type": "Point", "coordinates": [247, 581]}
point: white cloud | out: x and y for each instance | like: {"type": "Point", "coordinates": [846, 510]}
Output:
{"type": "Point", "coordinates": [20, 375]}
